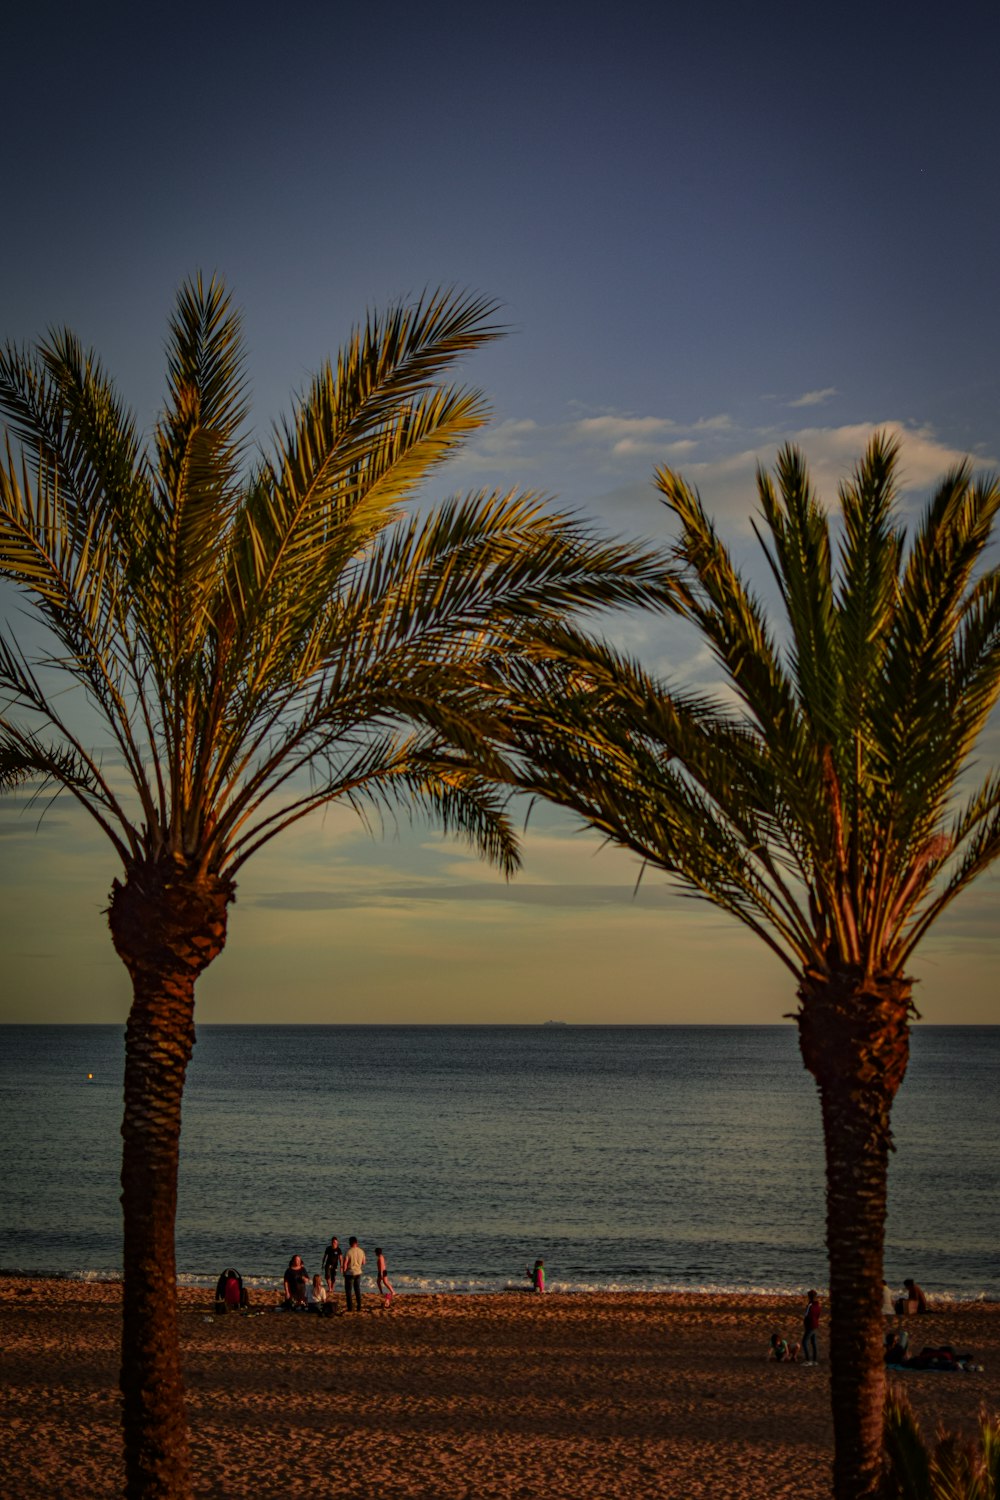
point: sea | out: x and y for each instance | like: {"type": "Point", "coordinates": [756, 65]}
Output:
{"type": "Point", "coordinates": [675, 1158]}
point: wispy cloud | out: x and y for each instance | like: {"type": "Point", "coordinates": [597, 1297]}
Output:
{"type": "Point", "coordinates": [519, 893]}
{"type": "Point", "coordinates": [727, 482]}
{"type": "Point", "coordinates": [815, 398]}
{"type": "Point", "coordinates": [616, 429]}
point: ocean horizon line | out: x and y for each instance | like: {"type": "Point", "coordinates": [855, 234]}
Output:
{"type": "Point", "coordinates": [548, 1025]}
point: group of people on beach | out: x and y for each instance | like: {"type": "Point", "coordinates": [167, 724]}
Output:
{"type": "Point", "coordinates": [913, 1301]}
{"type": "Point", "coordinates": [315, 1294]}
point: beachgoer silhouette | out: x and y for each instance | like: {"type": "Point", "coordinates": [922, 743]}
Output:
{"type": "Point", "coordinates": [296, 1277]}
{"type": "Point", "coordinates": [332, 1261]}
{"type": "Point", "coordinates": [382, 1277]}
{"type": "Point", "coordinates": [810, 1323]}
{"type": "Point", "coordinates": [354, 1264]}
{"type": "Point", "coordinates": [229, 1291]}
{"type": "Point", "coordinates": [915, 1294]}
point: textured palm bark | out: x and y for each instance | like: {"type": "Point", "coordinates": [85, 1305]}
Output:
{"type": "Point", "coordinates": [854, 1036]}
{"type": "Point", "coordinates": [166, 927]}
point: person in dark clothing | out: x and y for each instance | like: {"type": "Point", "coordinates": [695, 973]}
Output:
{"type": "Point", "coordinates": [810, 1323]}
{"type": "Point", "coordinates": [332, 1262]}
{"type": "Point", "coordinates": [296, 1277]}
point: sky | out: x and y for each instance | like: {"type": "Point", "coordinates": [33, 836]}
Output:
{"type": "Point", "coordinates": [712, 229]}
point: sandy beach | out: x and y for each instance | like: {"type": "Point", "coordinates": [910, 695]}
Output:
{"type": "Point", "coordinates": [455, 1396]}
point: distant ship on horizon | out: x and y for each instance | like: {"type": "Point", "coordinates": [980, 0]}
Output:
{"type": "Point", "coordinates": [555, 1023]}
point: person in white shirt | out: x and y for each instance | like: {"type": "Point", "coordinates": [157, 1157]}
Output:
{"type": "Point", "coordinates": [354, 1264]}
{"type": "Point", "coordinates": [316, 1295]}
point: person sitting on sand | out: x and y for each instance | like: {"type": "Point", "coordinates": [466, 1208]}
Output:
{"type": "Point", "coordinates": [896, 1345]}
{"type": "Point", "coordinates": [296, 1277]}
{"type": "Point", "coordinates": [915, 1294]}
{"type": "Point", "coordinates": [782, 1351]}
{"type": "Point", "coordinates": [229, 1291]}
{"type": "Point", "coordinates": [315, 1295]}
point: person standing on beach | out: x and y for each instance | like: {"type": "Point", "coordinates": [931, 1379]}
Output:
{"type": "Point", "coordinates": [353, 1264]}
{"type": "Point", "coordinates": [332, 1262]}
{"type": "Point", "coordinates": [382, 1276]}
{"type": "Point", "coordinates": [810, 1323]}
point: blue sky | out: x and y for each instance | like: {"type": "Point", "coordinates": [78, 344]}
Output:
{"type": "Point", "coordinates": [712, 229]}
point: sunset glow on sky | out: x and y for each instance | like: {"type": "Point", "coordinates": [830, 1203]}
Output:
{"type": "Point", "coordinates": [712, 230]}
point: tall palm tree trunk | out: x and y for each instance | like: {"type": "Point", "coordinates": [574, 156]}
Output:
{"type": "Point", "coordinates": [166, 928]}
{"type": "Point", "coordinates": [854, 1037]}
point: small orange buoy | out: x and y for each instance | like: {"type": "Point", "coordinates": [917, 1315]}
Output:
{"type": "Point", "coordinates": [90, 1077]}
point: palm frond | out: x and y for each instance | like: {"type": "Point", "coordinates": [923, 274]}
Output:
{"type": "Point", "coordinates": [906, 1461]}
{"type": "Point", "coordinates": [199, 449]}
{"type": "Point", "coordinates": [913, 718]}
{"type": "Point", "coordinates": [462, 803]}
{"type": "Point", "coordinates": [972, 847]}
{"type": "Point", "coordinates": [799, 555]}
{"type": "Point", "coordinates": [868, 574]}
{"type": "Point", "coordinates": [732, 621]}
{"type": "Point", "coordinates": [69, 420]}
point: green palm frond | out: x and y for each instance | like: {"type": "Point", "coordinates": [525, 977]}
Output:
{"type": "Point", "coordinates": [199, 451]}
{"type": "Point", "coordinates": [732, 621]}
{"type": "Point", "coordinates": [480, 576]}
{"type": "Point", "coordinates": [906, 1461]}
{"type": "Point", "coordinates": [956, 1467]}
{"type": "Point", "coordinates": [976, 850]}
{"type": "Point", "coordinates": [820, 812]}
{"type": "Point", "coordinates": [361, 441]}
{"type": "Point", "coordinates": [868, 576]}
{"type": "Point", "coordinates": [462, 803]}
{"type": "Point", "coordinates": [799, 557]}
{"type": "Point", "coordinates": [245, 628]}
{"type": "Point", "coordinates": [668, 775]}
{"type": "Point", "coordinates": [66, 415]}
{"type": "Point", "coordinates": [913, 717]}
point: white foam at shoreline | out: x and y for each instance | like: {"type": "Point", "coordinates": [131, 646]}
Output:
{"type": "Point", "coordinates": [267, 1288]}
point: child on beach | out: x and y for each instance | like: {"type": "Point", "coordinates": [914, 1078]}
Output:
{"type": "Point", "coordinates": [382, 1279]}
{"type": "Point", "coordinates": [810, 1323]}
{"type": "Point", "coordinates": [537, 1276]}
{"type": "Point", "coordinates": [782, 1351]}
{"type": "Point", "coordinates": [316, 1295]}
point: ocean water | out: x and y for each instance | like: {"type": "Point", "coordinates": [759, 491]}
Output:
{"type": "Point", "coordinates": [628, 1157]}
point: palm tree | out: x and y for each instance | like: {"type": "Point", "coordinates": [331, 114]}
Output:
{"type": "Point", "coordinates": [818, 803]}
{"type": "Point", "coordinates": [955, 1467]}
{"type": "Point", "coordinates": [256, 639]}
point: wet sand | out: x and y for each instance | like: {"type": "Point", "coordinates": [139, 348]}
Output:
{"type": "Point", "coordinates": [453, 1396]}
